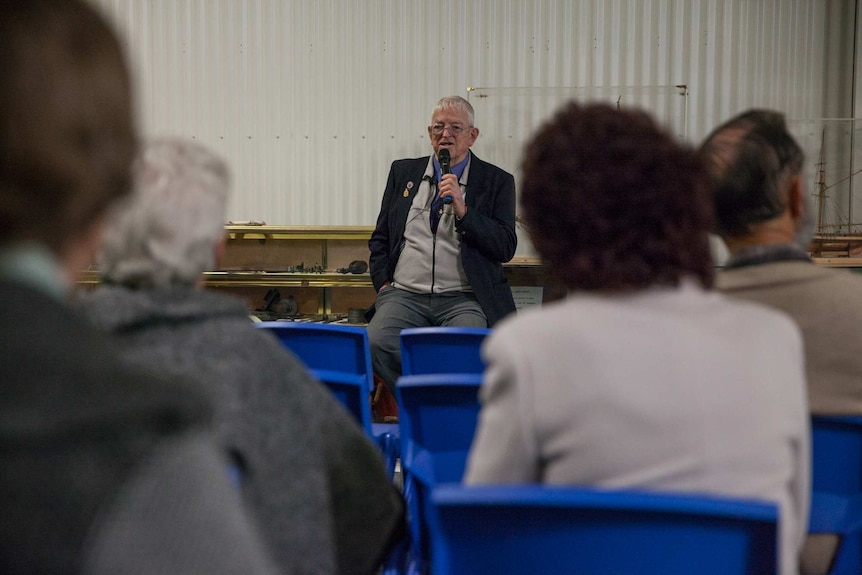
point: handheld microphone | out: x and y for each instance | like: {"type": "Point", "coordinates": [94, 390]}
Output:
{"type": "Point", "coordinates": [445, 168]}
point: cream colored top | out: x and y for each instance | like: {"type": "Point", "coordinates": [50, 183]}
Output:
{"type": "Point", "coordinates": [668, 389]}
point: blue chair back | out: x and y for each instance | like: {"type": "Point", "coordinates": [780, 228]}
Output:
{"type": "Point", "coordinates": [442, 350]}
{"type": "Point", "coordinates": [549, 531]}
{"type": "Point", "coordinates": [337, 355]}
{"type": "Point", "coordinates": [836, 501]}
{"type": "Point", "coordinates": [836, 454]}
{"type": "Point", "coordinates": [437, 418]}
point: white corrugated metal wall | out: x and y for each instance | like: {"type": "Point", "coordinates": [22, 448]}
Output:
{"type": "Point", "coordinates": [310, 100]}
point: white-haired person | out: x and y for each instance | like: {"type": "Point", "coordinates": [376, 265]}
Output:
{"type": "Point", "coordinates": [446, 226]}
{"type": "Point", "coordinates": [314, 481]}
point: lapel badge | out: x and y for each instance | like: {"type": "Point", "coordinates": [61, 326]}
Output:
{"type": "Point", "coordinates": [406, 193]}
{"type": "Point", "coordinates": [409, 185]}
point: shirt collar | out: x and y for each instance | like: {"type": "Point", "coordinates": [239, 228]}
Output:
{"type": "Point", "coordinates": [35, 265]}
{"type": "Point", "coordinates": [457, 169]}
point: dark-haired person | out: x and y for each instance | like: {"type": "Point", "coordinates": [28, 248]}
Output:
{"type": "Point", "coordinates": [434, 263]}
{"type": "Point", "coordinates": [642, 377]}
{"type": "Point", "coordinates": [105, 470]}
{"type": "Point", "coordinates": [766, 219]}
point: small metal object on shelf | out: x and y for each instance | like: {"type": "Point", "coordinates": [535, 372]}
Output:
{"type": "Point", "coordinates": [356, 315]}
{"type": "Point", "coordinates": [286, 306]}
{"type": "Point", "coordinates": [355, 267]}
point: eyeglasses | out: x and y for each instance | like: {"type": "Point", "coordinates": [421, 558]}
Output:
{"type": "Point", "coordinates": [454, 129]}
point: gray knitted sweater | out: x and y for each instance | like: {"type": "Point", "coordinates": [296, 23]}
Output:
{"type": "Point", "coordinates": [316, 484]}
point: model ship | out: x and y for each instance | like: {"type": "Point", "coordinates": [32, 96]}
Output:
{"type": "Point", "coordinates": [833, 239]}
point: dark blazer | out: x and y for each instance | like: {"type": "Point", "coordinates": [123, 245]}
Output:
{"type": "Point", "coordinates": [487, 231]}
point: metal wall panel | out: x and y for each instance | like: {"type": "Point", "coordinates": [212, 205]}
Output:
{"type": "Point", "coordinates": [310, 100]}
{"type": "Point", "coordinates": [857, 75]}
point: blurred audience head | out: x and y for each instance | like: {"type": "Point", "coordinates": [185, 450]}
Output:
{"type": "Point", "coordinates": [67, 137]}
{"type": "Point", "coordinates": [614, 203]}
{"type": "Point", "coordinates": [168, 231]}
{"type": "Point", "coordinates": [753, 162]}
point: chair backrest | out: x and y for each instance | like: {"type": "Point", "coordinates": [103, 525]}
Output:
{"type": "Point", "coordinates": [548, 530]}
{"type": "Point", "coordinates": [437, 418]}
{"type": "Point", "coordinates": [836, 454]}
{"type": "Point", "coordinates": [337, 355]}
{"type": "Point", "coordinates": [442, 350]}
{"type": "Point", "coordinates": [836, 501]}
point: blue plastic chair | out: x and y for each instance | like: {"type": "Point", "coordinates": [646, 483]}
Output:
{"type": "Point", "coordinates": [836, 502]}
{"type": "Point", "coordinates": [442, 350]}
{"type": "Point", "coordinates": [437, 415]}
{"type": "Point", "coordinates": [339, 356]}
{"type": "Point", "coordinates": [549, 530]}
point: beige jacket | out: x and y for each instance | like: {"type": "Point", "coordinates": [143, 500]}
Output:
{"type": "Point", "coordinates": [827, 305]}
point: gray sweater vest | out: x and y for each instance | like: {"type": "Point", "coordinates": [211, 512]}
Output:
{"type": "Point", "coordinates": [431, 263]}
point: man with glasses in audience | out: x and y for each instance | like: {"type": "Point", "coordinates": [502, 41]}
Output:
{"type": "Point", "coordinates": [445, 228]}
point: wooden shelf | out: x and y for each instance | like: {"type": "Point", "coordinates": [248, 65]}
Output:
{"type": "Point", "coordinates": [524, 261]}
{"type": "Point", "coordinates": [259, 258]}
{"type": "Point", "coordinates": [299, 232]}
{"type": "Point", "coordinates": [839, 262]}
{"type": "Point", "coordinates": [301, 262]}
{"type": "Point", "coordinates": [286, 279]}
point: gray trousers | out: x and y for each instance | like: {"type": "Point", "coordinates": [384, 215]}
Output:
{"type": "Point", "coordinates": [397, 309]}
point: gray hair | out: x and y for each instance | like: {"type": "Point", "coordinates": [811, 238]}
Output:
{"type": "Point", "coordinates": [456, 103]}
{"type": "Point", "coordinates": [166, 231]}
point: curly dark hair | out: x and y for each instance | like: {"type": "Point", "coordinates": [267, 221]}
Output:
{"type": "Point", "coordinates": [614, 203]}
